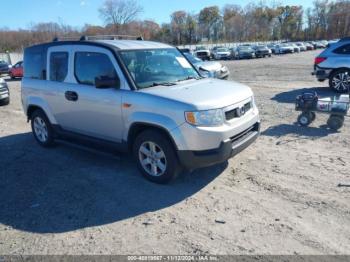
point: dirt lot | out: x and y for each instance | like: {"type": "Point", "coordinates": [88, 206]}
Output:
{"type": "Point", "coordinates": [280, 196]}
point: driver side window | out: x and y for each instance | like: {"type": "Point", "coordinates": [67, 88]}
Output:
{"type": "Point", "coordinates": [90, 65]}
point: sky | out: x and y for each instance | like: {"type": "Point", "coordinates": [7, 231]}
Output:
{"type": "Point", "coordinates": [17, 14]}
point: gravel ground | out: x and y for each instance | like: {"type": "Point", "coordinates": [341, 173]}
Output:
{"type": "Point", "coordinates": [280, 196]}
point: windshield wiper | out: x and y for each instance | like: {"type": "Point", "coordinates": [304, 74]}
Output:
{"type": "Point", "coordinates": [189, 78]}
{"type": "Point", "coordinates": [162, 84]}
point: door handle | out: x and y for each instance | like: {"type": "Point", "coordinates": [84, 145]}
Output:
{"type": "Point", "coordinates": [71, 95]}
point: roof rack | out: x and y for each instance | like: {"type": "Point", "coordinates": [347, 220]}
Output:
{"type": "Point", "coordinates": [99, 37]}
{"type": "Point", "coordinates": [345, 39]}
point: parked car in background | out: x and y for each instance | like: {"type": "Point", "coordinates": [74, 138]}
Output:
{"type": "Point", "coordinates": [4, 92]}
{"type": "Point", "coordinates": [334, 64]}
{"type": "Point", "coordinates": [212, 69]}
{"type": "Point", "coordinates": [262, 51]}
{"type": "Point", "coordinates": [272, 47]}
{"type": "Point", "coordinates": [295, 47]}
{"type": "Point", "coordinates": [284, 49]}
{"type": "Point", "coordinates": [301, 46]}
{"type": "Point", "coordinates": [16, 70]}
{"type": "Point", "coordinates": [4, 67]}
{"type": "Point", "coordinates": [245, 51]}
{"type": "Point", "coordinates": [313, 43]}
{"type": "Point", "coordinates": [320, 45]}
{"type": "Point", "coordinates": [233, 53]}
{"type": "Point", "coordinates": [202, 53]}
{"type": "Point", "coordinates": [309, 46]}
{"type": "Point", "coordinates": [221, 53]}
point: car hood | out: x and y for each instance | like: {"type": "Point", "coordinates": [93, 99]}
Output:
{"type": "Point", "coordinates": [223, 53]}
{"type": "Point", "coordinates": [209, 66]}
{"type": "Point", "coordinates": [203, 94]}
{"type": "Point", "coordinates": [207, 51]}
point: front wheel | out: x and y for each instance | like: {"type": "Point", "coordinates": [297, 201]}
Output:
{"type": "Point", "coordinates": [42, 129]}
{"type": "Point", "coordinates": [340, 81]}
{"type": "Point", "coordinates": [304, 119]}
{"type": "Point", "coordinates": [156, 157]}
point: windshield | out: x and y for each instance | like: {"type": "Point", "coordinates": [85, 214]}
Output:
{"type": "Point", "coordinates": [245, 48]}
{"type": "Point", "coordinates": [192, 59]}
{"type": "Point", "coordinates": [222, 50]}
{"type": "Point", "coordinates": [157, 67]}
{"type": "Point", "coordinates": [261, 47]}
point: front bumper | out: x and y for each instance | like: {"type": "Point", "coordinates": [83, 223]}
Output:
{"type": "Point", "coordinates": [197, 159]}
{"type": "Point", "coordinates": [246, 55]}
{"type": "Point", "coordinates": [262, 53]}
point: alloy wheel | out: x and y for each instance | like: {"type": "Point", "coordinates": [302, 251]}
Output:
{"type": "Point", "coordinates": [341, 81]}
{"type": "Point", "coordinates": [40, 129]}
{"type": "Point", "coordinates": [152, 159]}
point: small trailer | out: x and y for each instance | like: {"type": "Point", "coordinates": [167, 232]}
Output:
{"type": "Point", "coordinates": [309, 104]}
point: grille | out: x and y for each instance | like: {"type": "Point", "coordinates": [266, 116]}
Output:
{"type": "Point", "coordinates": [238, 111]}
{"type": "Point", "coordinates": [246, 133]}
{"type": "Point", "coordinates": [202, 53]}
{"type": "Point", "coordinates": [3, 89]}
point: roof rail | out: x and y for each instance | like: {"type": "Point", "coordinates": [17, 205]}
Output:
{"type": "Point", "coordinates": [99, 37]}
{"type": "Point", "coordinates": [345, 39]}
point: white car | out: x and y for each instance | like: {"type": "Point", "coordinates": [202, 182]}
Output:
{"type": "Point", "coordinates": [284, 49]}
{"type": "Point", "coordinates": [202, 53]}
{"type": "Point", "coordinates": [301, 46]}
{"type": "Point", "coordinates": [221, 53]}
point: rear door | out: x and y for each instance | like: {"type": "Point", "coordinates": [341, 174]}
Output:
{"type": "Point", "coordinates": [85, 109]}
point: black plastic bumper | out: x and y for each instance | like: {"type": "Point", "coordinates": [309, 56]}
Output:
{"type": "Point", "coordinates": [198, 159]}
{"type": "Point", "coordinates": [321, 73]}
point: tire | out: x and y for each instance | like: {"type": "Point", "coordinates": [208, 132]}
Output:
{"type": "Point", "coordinates": [5, 102]}
{"type": "Point", "coordinates": [165, 167]}
{"type": "Point", "coordinates": [335, 122]}
{"type": "Point", "coordinates": [304, 119]}
{"type": "Point", "coordinates": [12, 76]}
{"type": "Point", "coordinates": [339, 81]}
{"type": "Point", "coordinates": [42, 128]}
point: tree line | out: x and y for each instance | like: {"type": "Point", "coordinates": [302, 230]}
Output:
{"type": "Point", "coordinates": [326, 19]}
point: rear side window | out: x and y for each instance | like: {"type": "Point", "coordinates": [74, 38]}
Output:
{"type": "Point", "coordinates": [35, 63]}
{"type": "Point", "coordinates": [89, 65]}
{"type": "Point", "coordinates": [58, 66]}
{"type": "Point", "coordinates": [343, 50]}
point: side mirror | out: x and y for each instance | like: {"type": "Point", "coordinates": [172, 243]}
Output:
{"type": "Point", "coordinates": [107, 82]}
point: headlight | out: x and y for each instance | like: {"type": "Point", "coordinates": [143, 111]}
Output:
{"type": "Point", "coordinates": [205, 118]}
{"type": "Point", "coordinates": [205, 73]}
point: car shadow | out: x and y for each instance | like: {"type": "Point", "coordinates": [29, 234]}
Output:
{"type": "Point", "coordinates": [9, 79]}
{"type": "Point", "coordinates": [298, 131]}
{"type": "Point", "coordinates": [67, 188]}
{"type": "Point", "coordinates": [290, 95]}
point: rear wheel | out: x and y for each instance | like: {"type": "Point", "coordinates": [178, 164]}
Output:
{"type": "Point", "coordinates": [340, 81]}
{"type": "Point", "coordinates": [335, 122]}
{"type": "Point", "coordinates": [42, 129]}
{"type": "Point", "coordinates": [156, 157]}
